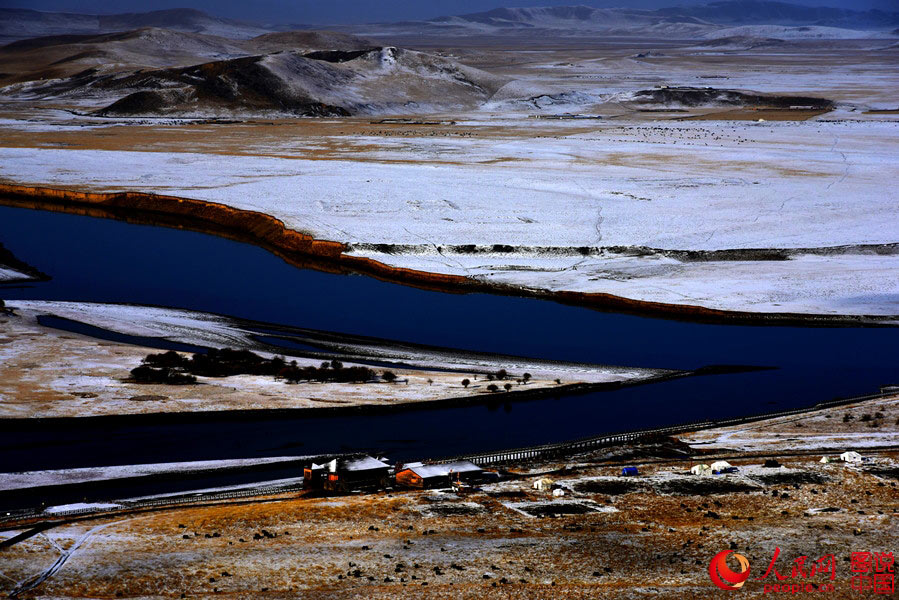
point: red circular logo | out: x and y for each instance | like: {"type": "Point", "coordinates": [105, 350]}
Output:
{"type": "Point", "coordinates": [723, 576]}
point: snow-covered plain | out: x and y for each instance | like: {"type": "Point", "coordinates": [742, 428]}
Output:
{"type": "Point", "coordinates": [683, 185]}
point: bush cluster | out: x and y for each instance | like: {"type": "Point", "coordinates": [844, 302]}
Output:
{"type": "Point", "coordinates": [173, 368]}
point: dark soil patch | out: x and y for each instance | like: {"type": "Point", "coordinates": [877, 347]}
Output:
{"type": "Point", "coordinates": [545, 510]}
{"type": "Point", "coordinates": [690, 96]}
{"type": "Point", "coordinates": [338, 56]}
{"type": "Point", "coordinates": [703, 487]}
{"type": "Point", "coordinates": [789, 478]}
{"type": "Point", "coordinates": [890, 473]}
{"type": "Point", "coordinates": [148, 398]}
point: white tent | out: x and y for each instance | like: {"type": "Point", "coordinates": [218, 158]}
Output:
{"type": "Point", "coordinates": [720, 465]}
{"type": "Point", "coordinates": [557, 493]}
{"type": "Point", "coordinates": [544, 484]}
{"type": "Point", "coordinates": [826, 459]}
{"type": "Point", "coordinates": [851, 457]}
{"type": "Point", "coordinates": [701, 470]}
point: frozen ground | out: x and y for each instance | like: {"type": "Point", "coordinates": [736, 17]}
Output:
{"type": "Point", "coordinates": [815, 188]}
{"type": "Point", "coordinates": [46, 372]}
{"type": "Point", "coordinates": [651, 206]}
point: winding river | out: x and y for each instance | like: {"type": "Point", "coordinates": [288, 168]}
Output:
{"type": "Point", "coordinates": [103, 260]}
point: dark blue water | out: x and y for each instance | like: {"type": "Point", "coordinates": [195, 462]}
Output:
{"type": "Point", "coordinates": [101, 260]}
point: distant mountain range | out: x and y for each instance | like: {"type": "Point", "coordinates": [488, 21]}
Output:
{"type": "Point", "coordinates": [684, 21]}
{"type": "Point", "coordinates": [20, 23]}
{"type": "Point", "coordinates": [732, 12]}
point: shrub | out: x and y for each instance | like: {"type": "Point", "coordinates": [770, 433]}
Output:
{"type": "Point", "coordinates": [342, 375]}
{"type": "Point", "coordinates": [388, 376]}
{"type": "Point", "coordinates": [166, 375]}
{"type": "Point", "coordinates": [167, 359]}
{"type": "Point", "coordinates": [492, 387]}
{"type": "Point", "coordinates": [172, 367]}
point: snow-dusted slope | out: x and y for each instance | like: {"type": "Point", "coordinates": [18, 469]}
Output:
{"type": "Point", "coordinates": [56, 57]}
{"type": "Point", "coordinates": [329, 82]}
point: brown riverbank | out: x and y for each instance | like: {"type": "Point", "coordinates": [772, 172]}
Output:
{"type": "Point", "coordinates": [304, 251]}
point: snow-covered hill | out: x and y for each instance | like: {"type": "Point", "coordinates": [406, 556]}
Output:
{"type": "Point", "coordinates": [327, 82]}
{"type": "Point", "coordinates": [53, 57]}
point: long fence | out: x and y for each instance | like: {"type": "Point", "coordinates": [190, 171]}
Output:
{"type": "Point", "coordinates": [562, 449]}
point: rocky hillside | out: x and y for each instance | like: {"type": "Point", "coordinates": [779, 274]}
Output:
{"type": "Point", "coordinates": [298, 83]}
{"type": "Point", "coordinates": [61, 56]}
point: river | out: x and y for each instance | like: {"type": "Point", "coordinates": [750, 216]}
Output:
{"type": "Point", "coordinates": [104, 260]}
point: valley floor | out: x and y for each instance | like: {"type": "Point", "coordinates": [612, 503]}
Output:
{"type": "Point", "coordinates": [649, 204]}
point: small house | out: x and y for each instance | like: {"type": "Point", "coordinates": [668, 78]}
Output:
{"type": "Point", "coordinates": [314, 477]}
{"type": "Point", "coordinates": [354, 474]}
{"type": "Point", "coordinates": [629, 472]}
{"type": "Point", "coordinates": [851, 457]}
{"type": "Point", "coordinates": [422, 476]}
